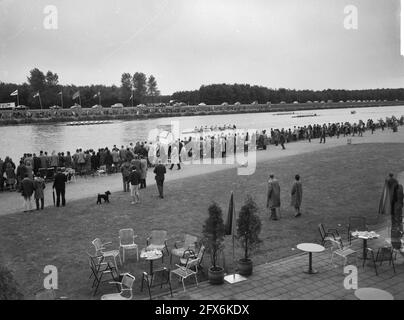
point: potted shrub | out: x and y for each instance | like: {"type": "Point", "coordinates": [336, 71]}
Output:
{"type": "Point", "coordinates": [248, 229]}
{"type": "Point", "coordinates": [9, 289]}
{"type": "Point", "coordinates": [213, 237]}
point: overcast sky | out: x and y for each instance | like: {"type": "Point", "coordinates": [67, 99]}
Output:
{"type": "Point", "coordinates": [186, 43]}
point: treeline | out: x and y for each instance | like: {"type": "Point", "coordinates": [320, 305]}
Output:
{"type": "Point", "coordinates": [141, 89]}
{"type": "Point", "coordinates": [217, 94]}
{"type": "Point", "coordinates": [136, 89]}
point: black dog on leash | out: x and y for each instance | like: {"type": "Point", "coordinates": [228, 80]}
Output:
{"type": "Point", "coordinates": [104, 196]}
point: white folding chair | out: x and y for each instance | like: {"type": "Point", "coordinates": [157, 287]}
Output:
{"type": "Point", "coordinates": [126, 285]}
{"type": "Point", "coordinates": [338, 249]}
{"type": "Point", "coordinates": [187, 271]}
{"type": "Point", "coordinates": [100, 250]}
{"type": "Point", "coordinates": [127, 242]}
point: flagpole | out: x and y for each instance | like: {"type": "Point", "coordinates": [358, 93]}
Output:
{"type": "Point", "coordinates": [61, 97]}
{"type": "Point", "coordinates": [232, 231]}
{"type": "Point", "coordinates": [80, 100]}
{"type": "Point", "coordinates": [233, 278]}
{"type": "Point", "coordinates": [40, 101]}
{"type": "Point", "coordinates": [18, 98]}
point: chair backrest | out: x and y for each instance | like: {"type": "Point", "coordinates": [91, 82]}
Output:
{"type": "Point", "coordinates": [97, 243]}
{"type": "Point", "coordinates": [201, 253]}
{"type": "Point", "coordinates": [322, 230]}
{"type": "Point", "coordinates": [192, 263]}
{"type": "Point", "coordinates": [189, 241]}
{"type": "Point", "coordinates": [128, 280]}
{"type": "Point", "coordinates": [357, 223]}
{"type": "Point", "coordinates": [158, 236]}
{"type": "Point", "coordinates": [126, 236]}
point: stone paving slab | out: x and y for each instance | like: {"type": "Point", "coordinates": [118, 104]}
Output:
{"type": "Point", "coordinates": [285, 280]}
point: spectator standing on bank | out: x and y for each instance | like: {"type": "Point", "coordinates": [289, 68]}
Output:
{"type": "Point", "coordinates": [59, 184]}
{"type": "Point", "coordinates": [297, 195]}
{"type": "Point", "coordinates": [27, 189]}
{"type": "Point", "coordinates": [160, 171]}
{"type": "Point", "coordinates": [39, 186]}
{"type": "Point", "coordinates": [143, 172]}
{"type": "Point", "coordinates": [273, 197]}
{"type": "Point", "coordinates": [323, 134]}
{"type": "Point", "coordinates": [282, 140]}
{"type": "Point", "coordinates": [125, 170]}
{"type": "Point", "coordinates": [134, 179]}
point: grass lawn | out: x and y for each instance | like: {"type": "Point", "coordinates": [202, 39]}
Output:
{"type": "Point", "coordinates": [337, 183]}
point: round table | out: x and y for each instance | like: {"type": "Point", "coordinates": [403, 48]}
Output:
{"type": "Point", "coordinates": [373, 294]}
{"type": "Point", "coordinates": [365, 236]}
{"type": "Point", "coordinates": [151, 256]}
{"type": "Point", "coordinates": [310, 248]}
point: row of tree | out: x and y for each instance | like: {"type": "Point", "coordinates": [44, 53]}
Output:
{"type": "Point", "coordinates": [136, 89]}
{"type": "Point", "coordinates": [139, 89]}
{"type": "Point", "coordinates": [216, 94]}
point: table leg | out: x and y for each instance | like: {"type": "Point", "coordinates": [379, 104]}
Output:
{"type": "Point", "coordinates": [311, 270]}
{"type": "Point", "coordinates": [364, 250]}
{"type": "Point", "coordinates": [365, 246]}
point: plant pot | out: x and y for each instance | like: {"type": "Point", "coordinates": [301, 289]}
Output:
{"type": "Point", "coordinates": [216, 275]}
{"type": "Point", "coordinates": [245, 267]}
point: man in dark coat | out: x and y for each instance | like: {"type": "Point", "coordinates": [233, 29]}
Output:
{"type": "Point", "coordinates": [27, 189]}
{"type": "Point", "coordinates": [160, 171]}
{"type": "Point", "coordinates": [36, 164]}
{"type": "Point", "coordinates": [282, 140]}
{"type": "Point", "coordinates": [59, 184]}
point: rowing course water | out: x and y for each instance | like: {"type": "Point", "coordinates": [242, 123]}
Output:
{"type": "Point", "coordinates": [17, 140]}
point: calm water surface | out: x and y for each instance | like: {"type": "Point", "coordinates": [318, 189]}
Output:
{"type": "Point", "coordinates": [17, 140]}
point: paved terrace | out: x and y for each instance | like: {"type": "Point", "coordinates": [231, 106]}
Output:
{"type": "Point", "coordinates": [285, 279]}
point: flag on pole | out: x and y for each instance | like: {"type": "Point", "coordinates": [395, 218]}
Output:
{"type": "Point", "coordinates": [97, 95]}
{"type": "Point", "coordinates": [36, 94]}
{"type": "Point", "coordinates": [230, 216]}
{"type": "Point", "coordinates": [14, 93]}
{"type": "Point", "coordinates": [76, 95]}
{"type": "Point", "coordinates": [60, 93]}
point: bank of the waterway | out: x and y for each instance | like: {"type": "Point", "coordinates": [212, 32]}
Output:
{"type": "Point", "coordinates": [18, 117]}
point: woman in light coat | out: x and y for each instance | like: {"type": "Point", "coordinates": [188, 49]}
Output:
{"type": "Point", "coordinates": [39, 186]}
{"type": "Point", "coordinates": [297, 194]}
{"type": "Point", "coordinates": [273, 197]}
{"type": "Point", "coordinates": [175, 160]}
